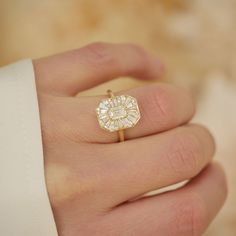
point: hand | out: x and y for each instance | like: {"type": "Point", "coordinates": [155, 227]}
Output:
{"type": "Point", "coordinates": [91, 178]}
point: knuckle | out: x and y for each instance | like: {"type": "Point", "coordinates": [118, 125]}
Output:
{"type": "Point", "coordinates": [184, 155]}
{"type": "Point", "coordinates": [100, 54]}
{"type": "Point", "coordinates": [190, 216]}
{"type": "Point", "coordinates": [164, 103]}
{"type": "Point", "coordinates": [204, 133]}
{"type": "Point", "coordinates": [139, 51]}
{"type": "Point", "coordinates": [59, 183]}
{"type": "Point", "coordinates": [159, 103]}
{"type": "Point", "coordinates": [141, 57]}
{"type": "Point", "coordinates": [66, 180]}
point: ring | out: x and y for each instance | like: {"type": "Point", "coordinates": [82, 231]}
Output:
{"type": "Point", "coordinates": [118, 113]}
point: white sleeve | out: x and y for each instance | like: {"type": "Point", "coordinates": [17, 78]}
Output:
{"type": "Point", "coordinates": [24, 204]}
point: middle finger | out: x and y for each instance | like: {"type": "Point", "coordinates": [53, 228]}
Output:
{"type": "Point", "coordinates": [146, 164]}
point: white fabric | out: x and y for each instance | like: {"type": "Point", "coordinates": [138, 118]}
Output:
{"type": "Point", "coordinates": [24, 205]}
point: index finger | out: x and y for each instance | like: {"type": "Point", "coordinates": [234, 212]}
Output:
{"type": "Point", "coordinates": [71, 72]}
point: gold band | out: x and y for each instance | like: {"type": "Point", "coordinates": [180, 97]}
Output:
{"type": "Point", "coordinates": [121, 133]}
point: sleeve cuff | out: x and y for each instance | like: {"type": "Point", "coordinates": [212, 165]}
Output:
{"type": "Point", "coordinates": [24, 204]}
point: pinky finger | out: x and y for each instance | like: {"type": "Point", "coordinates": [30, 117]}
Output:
{"type": "Point", "coordinates": [183, 212]}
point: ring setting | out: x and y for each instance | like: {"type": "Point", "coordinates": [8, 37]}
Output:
{"type": "Point", "coordinates": [118, 113]}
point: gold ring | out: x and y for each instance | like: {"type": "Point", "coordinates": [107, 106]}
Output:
{"type": "Point", "coordinates": [118, 113]}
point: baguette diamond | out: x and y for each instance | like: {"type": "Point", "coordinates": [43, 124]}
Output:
{"type": "Point", "coordinates": [117, 113]}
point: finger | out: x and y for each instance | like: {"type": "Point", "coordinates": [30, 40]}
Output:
{"type": "Point", "coordinates": [186, 211]}
{"type": "Point", "coordinates": [162, 107]}
{"type": "Point", "coordinates": [74, 71]}
{"type": "Point", "coordinates": [146, 164]}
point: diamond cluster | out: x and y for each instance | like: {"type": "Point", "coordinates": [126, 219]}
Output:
{"type": "Point", "coordinates": [120, 112]}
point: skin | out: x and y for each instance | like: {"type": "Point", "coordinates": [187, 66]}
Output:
{"type": "Point", "coordinates": [91, 179]}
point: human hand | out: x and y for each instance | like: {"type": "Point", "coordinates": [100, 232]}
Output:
{"type": "Point", "coordinates": [91, 178]}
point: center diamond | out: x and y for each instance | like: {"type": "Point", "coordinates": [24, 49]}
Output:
{"type": "Point", "coordinates": [117, 112]}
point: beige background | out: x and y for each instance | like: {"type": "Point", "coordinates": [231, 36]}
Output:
{"type": "Point", "coordinates": [196, 39]}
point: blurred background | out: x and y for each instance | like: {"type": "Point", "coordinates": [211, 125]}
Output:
{"type": "Point", "coordinates": [196, 40]}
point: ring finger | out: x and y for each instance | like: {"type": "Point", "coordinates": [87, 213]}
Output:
{"type": "Point", "coordinates": [162, 107]}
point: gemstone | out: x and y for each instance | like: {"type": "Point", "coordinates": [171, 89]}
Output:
{"type": "Point", "coordinates": [117, 113]}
